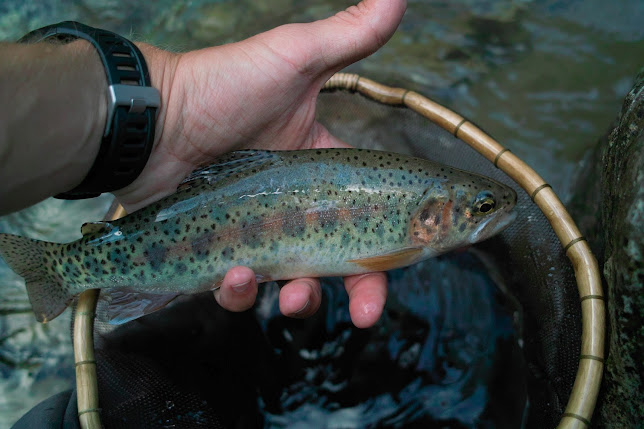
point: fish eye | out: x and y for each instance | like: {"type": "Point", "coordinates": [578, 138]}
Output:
{"type": "Point", "coordinates": [484, 203]}
{"type": "Point", "coordinates": [485, 207]}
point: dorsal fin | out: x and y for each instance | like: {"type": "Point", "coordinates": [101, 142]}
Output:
{"type": "Point", "coordinates": [227, 165]}
{"type": "Point", "coordinates": [95, 227]}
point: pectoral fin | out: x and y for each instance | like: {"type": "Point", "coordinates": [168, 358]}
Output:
{"type": "Point", "coordinates": [390, 261]}
{"type": "Point", "coordinates": [125, 305]}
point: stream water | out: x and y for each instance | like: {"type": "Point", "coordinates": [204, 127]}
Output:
{"type": "Point", "coordinates": [546, 78]}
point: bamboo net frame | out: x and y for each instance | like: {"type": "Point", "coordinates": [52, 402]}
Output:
{"type": "Point", "coordinates": [591, 364]}
{"type": "Point", "coordinates": [583, 397]}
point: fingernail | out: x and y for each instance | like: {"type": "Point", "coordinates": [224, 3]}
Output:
{"type": "Point", "coordinates": [304, 307]}
{"type": "Point", "coordinates": [241, 288]}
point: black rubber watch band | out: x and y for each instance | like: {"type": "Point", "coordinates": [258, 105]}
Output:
{"type": "Point", "coordinates": [131, 117]}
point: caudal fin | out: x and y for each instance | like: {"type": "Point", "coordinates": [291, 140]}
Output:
{"type": "Point", "coordinates": [29, 259]}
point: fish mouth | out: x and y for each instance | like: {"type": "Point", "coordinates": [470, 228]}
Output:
{"type": "Point", "coordinates": [492, 226]}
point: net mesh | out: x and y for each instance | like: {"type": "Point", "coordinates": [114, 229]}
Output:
{"type": "Point", "coordinates": [194, 365]}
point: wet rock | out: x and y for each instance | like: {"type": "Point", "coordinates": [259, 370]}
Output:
{"type": "Point", "coordinates": [610, 206]}
{"type": "Point", "coordinates": [623, 218]}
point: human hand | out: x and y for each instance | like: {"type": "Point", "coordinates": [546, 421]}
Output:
{"type": "Point", "coordinates": [260, 93]}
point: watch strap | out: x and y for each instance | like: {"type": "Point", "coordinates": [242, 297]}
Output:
{"type": "Point", "coordinates": [133, 105]}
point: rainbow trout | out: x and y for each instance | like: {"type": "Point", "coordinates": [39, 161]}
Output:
{"type": "Point", "coordinates": [330, 212]}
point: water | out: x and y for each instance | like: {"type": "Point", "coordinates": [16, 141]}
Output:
{"type": "Point", "coordinates": [546, 78]}
{"type": "Point", "coordinates": [441, 353]}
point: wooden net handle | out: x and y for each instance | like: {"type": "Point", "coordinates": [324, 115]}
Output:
{"type": "Point", "coordinates": [86, 377]}
{"type": "Point", "coordinates": [584, 392]}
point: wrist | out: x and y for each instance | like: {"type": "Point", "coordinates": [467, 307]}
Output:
{"type": "Point", "coordinates": [52, 132]}
{"type": "Point", "coordinates": [161, 66]}
{"type": "Point", "coordinates": [132, 109]}
{"type": "Point", "coordinates": [153, 182]}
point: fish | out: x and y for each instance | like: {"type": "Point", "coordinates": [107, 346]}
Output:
{"type": "Point", "coordinates": [284, 214]}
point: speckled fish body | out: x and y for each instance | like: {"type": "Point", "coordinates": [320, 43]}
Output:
{"type": "Point", "coordinates": [284, 214]}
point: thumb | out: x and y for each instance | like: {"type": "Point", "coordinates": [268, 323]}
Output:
{"type": "Point", "coordinates": [323, 47]}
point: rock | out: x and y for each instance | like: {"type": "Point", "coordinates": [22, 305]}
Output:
{"type": "Point", "coordinates": [614, 192]}
{"type": "Point", "coordinates": [623, 217]}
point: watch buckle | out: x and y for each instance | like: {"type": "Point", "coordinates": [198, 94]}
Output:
{"type": "Point", "coordinates": [137, 98]}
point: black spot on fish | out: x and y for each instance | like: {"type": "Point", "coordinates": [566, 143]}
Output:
{"type": "Point", "coordinates": [156, 256]}
{"type": "Point", "coordinates": [180, 268]}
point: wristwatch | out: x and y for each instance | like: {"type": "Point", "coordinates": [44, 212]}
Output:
{"type": "Point", "coordinates": [132, 110]}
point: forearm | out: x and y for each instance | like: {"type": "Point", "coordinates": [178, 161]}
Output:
{"type": "Point", "coordinates": [53, 115]}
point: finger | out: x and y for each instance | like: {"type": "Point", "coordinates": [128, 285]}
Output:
{"type": "Point", "coordinates": [367, 296]}
{"type": "Point", "coordinates": [300, 298]}
{"type": "Point", "coordinates": [238, 289]}
{"type": "Point", "coordinates": [326, 46]}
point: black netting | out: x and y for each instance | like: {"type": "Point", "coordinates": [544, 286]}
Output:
{"type": "Point", "coordinates": [449, 323]}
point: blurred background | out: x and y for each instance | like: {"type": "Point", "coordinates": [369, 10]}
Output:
{"type": "Point", "coordinates": [545, 78]}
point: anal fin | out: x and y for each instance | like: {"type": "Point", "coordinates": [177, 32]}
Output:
{"type": "Point", "coordinates": [125, 305]}
{"type": "Point", "coordinates": [390, 261]}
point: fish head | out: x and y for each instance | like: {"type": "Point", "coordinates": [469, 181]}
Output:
{"type": "Point", "coordinates": [462, 211]}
